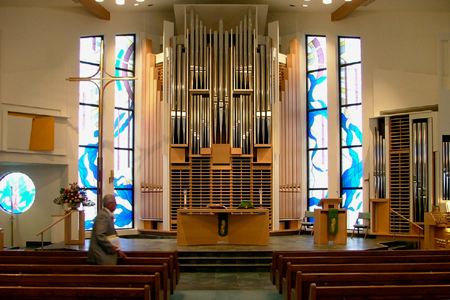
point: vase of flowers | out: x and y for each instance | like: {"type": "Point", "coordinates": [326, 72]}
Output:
{"type": "Point", "coordinates": [73, 196]}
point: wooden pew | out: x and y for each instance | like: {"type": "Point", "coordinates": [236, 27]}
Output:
{"type": "Point", "coordinates": [85, 280]}
{"type": "Point", "coordinates": [304, 281]}
{"type": "Point", "coordinates": [79, 260]}
{"type": "Point", "coordinates": [92, 269]}
{"type": "Point", "coordinates": [171, 253]}
{"type": "Point", "coordinates": [380, 292]}
{"type": "Point", "coordinates": [365, 268]}
{"type": "Point", "coordinates": [285, 282]}
{"type": "Point", "coordinates": [72, 293]}
{"type": "Point", "coordinates": [309, 253]}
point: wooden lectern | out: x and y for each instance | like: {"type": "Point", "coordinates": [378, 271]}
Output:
{"type": "Point", "coordinates": [321, 235]}
{"type": "Point", "coordinates": [68, 228]}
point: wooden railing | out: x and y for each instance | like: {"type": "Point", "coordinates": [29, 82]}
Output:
{"type": "Point", "coordinates": [67, 215]}
{"type": "Point", "coordinates": [411, 222]}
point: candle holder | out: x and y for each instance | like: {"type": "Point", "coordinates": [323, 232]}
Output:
{"type": "Point", "coordinates": [260, 198]}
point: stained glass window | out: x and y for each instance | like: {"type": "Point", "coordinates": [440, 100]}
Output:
{"type": "Point", "coordinates": [317, 101]}
{"type": "Point", "coordinates": [350, 88]}
{"type": "Point", "coordinates": [124, 131]}
{"type": "Point", "coordinates": [88, 126]}
{"type": "Point", "coordinates": [17, 193]}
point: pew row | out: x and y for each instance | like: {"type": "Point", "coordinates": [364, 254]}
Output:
{"type": "Point", "coordinates": [85, 280]}
{"type": "Point", "coordinates": [83, 253]}
{"type": "Point", "coordinates": [301, 290]}
{"type": "Point", "coordinates": [73, 293]}
{"type": "Point", "coordinates": [379, 292]}
{"type": "Point", "coordinates": [293, 270]}
{"type": "Point", "coordinates": [83, 261]}
{"type": "Point", "coordinates": [92, 269]}
{"type": "Point", "coordinates": [276, 254]}
{"type": "Point", "coordinates": [284, 284]}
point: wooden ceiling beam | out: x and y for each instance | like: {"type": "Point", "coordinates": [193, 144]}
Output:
{"type": "Point", "coordinates": [346, 9]}
{"type": "Point", "coordinates": [96, 9]}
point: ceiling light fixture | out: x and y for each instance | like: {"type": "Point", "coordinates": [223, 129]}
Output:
{"type": "Point", "coordinates": [327, 1]}
{"type": "Point", "coordinates": [98, 0]}
{"type": "Point", "coordinates": [120, 2]}
{"type": "Point", "coordinates": [144, 0]}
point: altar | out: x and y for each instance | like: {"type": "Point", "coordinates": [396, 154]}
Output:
{"type": "Point", "coordinates": [228, 226]}
{"type": "Point", "coordinates": [322, 235]}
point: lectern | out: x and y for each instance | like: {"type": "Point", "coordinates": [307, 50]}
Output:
{"type": "Point", "coordinates": [321, 234]}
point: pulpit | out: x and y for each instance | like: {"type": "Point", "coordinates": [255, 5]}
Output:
{"type": "Point", "coordinates": [321, 221]}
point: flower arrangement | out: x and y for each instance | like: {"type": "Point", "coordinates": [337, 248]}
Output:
{"type": "Point", "coordinates": [73, 195]}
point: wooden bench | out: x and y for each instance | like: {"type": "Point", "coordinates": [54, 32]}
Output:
{"type": "Point", "coordinates": [380, 292]}
{"type": "Point", "coordinates": [85, 280]}
{"type": "Point", "coordinates": [276, 254]}
{"type": "Point", "coordinates": [284, 281]}
{"type": "Point", "coordinates": [173, 254]}
{"type": "Point", "coordinates": [72, 293]}
{"type": "Point", "coordinates": [363, 268]}
{"type": "Point", "coordinates": [304, 281]}
{"type": "Point", "coordinates": [91, 269]}
{"type": "Point", "coordinates": [79, 260]}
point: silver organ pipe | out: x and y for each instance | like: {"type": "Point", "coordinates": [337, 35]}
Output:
{"type": "Point", "coordinates": [221, 86]}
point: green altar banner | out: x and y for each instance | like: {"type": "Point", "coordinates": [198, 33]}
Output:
{"type": "Point", "coordinates": [223, 224]}
{"type": "Point", "coordinates": [333, 220]}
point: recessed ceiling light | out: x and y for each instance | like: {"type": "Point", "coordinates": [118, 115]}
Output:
{"type": "Point", "coordinates": [120, 2]}
{"type": "Point", "coordinates": [136, 4]}
{"type": "Point", "coordinates": [98, 0]}
{"type": "Point", "coordinates": [292, 5]}
{"type": "Point", "coordinates": [144, 0]}
{"type": "Point", "coordinates": [150, 5]}
{"type": "Point", "coordinates": [327, 1]}
{"type": "Point", "coordinates": [305, 5]}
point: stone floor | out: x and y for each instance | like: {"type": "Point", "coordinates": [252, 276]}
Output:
{"type": "Point", "coordinates": [236, 285]}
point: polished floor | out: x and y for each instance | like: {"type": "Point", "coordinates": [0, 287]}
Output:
{"type": "Point", "coordinates": [233, 285]}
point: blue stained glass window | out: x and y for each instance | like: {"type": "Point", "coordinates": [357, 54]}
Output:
{"type": "Point", "coordinates": [124, 131]}
{"type": "Point", "coordinates": [318, 128]}
{"type": "Point", "coordinates": [88, 118]}
{"type": "Point", "coordinates": [17, 193]}
{"type": "Point", "coordinates": [351, 126]}
{"type": "Point", "coordinates": [318, 169]}
{"type": "Point", "coordinates": [317, 101]}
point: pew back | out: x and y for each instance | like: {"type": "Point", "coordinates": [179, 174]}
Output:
{"type": "Point", "coordinates": [380, 292]}
{"type": "Point", "coordinates": [73, 293]}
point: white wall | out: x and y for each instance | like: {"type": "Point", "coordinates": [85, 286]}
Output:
{"type": "Point", "coordinates": [39, 50]}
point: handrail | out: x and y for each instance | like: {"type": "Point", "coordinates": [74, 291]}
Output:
{"type": "Point", "coordinates": [411, 222]}
{"type": "Point", "coordinates": [68, 214]}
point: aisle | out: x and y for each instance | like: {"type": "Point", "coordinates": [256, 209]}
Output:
{"type": "Point", "coordinates": [218, 286]}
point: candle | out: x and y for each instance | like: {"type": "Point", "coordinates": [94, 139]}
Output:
{"type": "Point", "coordinates": [260, 196]}
{"type": "Point", "coordinates": [185, 201]}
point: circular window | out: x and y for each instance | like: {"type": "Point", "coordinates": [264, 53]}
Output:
{"type": "Point", "coordinates": [17, 192]}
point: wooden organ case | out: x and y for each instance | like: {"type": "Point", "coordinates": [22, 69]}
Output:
{"type": "Point", "coordinates": [221, 82]}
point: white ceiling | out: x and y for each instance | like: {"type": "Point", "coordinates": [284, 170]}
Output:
{"type": "Point", "coordinates": [314, 6]}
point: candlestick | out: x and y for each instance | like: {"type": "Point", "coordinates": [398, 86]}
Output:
{"type": "Point", "coordinates": [185, 200]}
{"type": "Point", "coordinates": [260, 197]}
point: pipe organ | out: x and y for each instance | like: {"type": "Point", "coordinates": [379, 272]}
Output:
{"type": "Point", "coordinates": [404, 167]}
{"type": "Point", "coordinates": [221, 81]}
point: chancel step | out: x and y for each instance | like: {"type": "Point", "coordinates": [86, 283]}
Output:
{"type": "Point", "coordinates": [225, 261]}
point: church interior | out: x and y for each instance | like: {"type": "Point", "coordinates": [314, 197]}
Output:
{"type": "Point", "coordinates": [224, 126]}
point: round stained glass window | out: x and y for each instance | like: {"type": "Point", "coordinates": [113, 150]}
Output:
{"type": "Point", "coordinates": [17, 192]}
